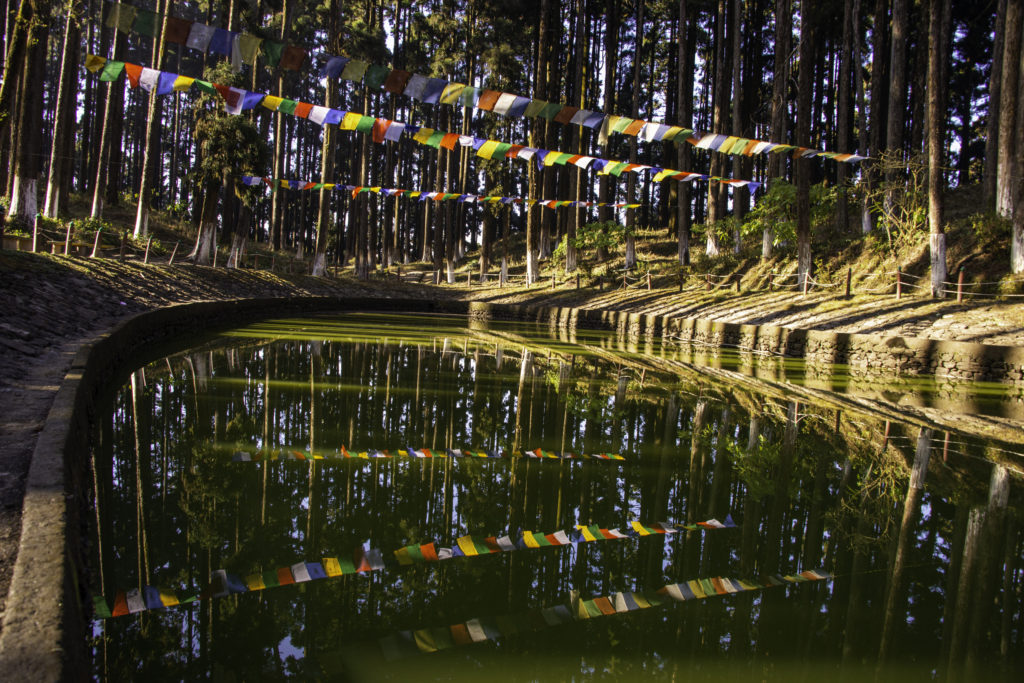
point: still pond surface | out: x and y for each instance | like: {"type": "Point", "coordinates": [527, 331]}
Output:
{"type": "Point", "coordinates": [222, 484]}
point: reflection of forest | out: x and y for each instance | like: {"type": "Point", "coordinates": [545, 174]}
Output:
{"type": "Point", "coordinates": [915, 524]}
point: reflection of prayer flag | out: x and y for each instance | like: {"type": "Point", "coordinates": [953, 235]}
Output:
{"type": "Point", "coordinates": [292, 58]}
{"type": "Point", "coordinates": [221, 41]}
{"type": "Point", "coordinates": [432, 90]}
{"type": "Point", "coordinates": [121, 17]}
{"type": "Point", "coordinates": [354, 70]}
{"type": "Point", "coordinates": [177, 30]}
{"type": "Point", "coordinates": [299, 572]}
{"type": "Point", "coordinates": [375, 76]}
{"type": "Point", "coordinates": [199, 37]}
{"type": "Point", "coordinates": [254, 582]}
{"type": "Point", "coordinates": [396, 81]}
{"type": "Point", "coordinates": [145, 22]}
{"type": "Point", "coordinates": [414, 88]}
{"type": "Point", "coordinates": [469, 96]}
{"type": "Point", "coordinates": [451, 93]}
{"type": "Point", "coordinates": [284, 576]}
{"type": "Point", "coordinates": [333, 67]}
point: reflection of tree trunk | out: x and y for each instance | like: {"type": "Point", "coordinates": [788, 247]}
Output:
{"type": "Point", "coordinates": [857, 573]}
{"type": "Point", "coordinates": [894, 601]}
{"type": "Point", "coordinates": [696, 458]}
{"type": "Point", "coordinates": [780, 498]}
{"type": "Point", "coordinates": [525, 369]}
{"type": "Point", "coordinates": [984, 626]}
{"type": "Point", "coordinates": [965, 593]}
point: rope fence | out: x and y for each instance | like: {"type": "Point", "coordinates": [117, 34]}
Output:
{"type": "Point", "coordinates": [902, 282]}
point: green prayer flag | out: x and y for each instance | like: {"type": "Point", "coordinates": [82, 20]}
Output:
{"type": "Point", "coordinates": [100, 607]}
{"type": "Point", "coordinates": [270, 579]}
{"type": "Point", "coordinates": [145, 23]}
{"type": "Point", "coordinates": [376, 75]}
{"type": "Point", "coordinates": [550, 110]}
{"type": "Point", "coordinates": [501, 149]}
{"type": "Point", "coordinates": [111, 70]}
{"type": "Point", "coordinates": [435, 139]}
{"type": "Point", "coordinates": [288, 106]}
{"type": "Point", "coordinates": [562, 158]}
{"type": "Point", "coordinates": [622, 124]}
{"type": "Point", "coordinates": [365, 124]}
{"type": "Point", "coordinates": [346, 566]}
{"type": "Point", "coordinates": [205, 86]}
{"type": "Point", "coordinates": [534, 108]}
{"type": "Point", "coordinates": [272, 51]}
{"type": "Point", "coordinates": [616, 169]}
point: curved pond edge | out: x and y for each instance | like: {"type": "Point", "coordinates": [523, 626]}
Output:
{"type": "Point", "coordinates": [45, 625]}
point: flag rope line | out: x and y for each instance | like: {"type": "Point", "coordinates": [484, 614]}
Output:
{"type": "Point", "coordinates": [425, 640]}
{"type": "Point", "coordinates": [365, 559]}
{"type": "Point", "coordinates": [242, 47]}
{"type": "Point", "coordinates": [342, 453]}
{"type": "Point", "coordinates": [279, 183]}
{"type": "Point", "coordinates": [237, 100]}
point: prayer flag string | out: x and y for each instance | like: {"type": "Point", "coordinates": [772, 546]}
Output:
{"type": "Point", "coordinates": [366, 559]}
{"type": "Point", "coordinates": [279, 183]}
{"type": "Point", "coordinates": [242, 47]}
{"type": "Point", "coordinates": [342, 453]}
{"type": "Point", "coordinates": [477, 630]}
{"type": "Point", "coordinates": [237, 100]}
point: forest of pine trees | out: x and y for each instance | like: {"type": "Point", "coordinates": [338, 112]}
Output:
{"type": "Point", "coordinates": [932, 85]}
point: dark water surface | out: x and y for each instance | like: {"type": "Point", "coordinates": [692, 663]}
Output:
{"type": "Point", "coordinates": [915, 525]}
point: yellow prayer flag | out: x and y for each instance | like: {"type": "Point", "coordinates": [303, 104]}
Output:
{"type": "Point", "coordinates": [549, 158]}
{"type": "Point", "coordinates": [350, 121]}
{"type": "Point", "coordinates": [168, 598]}
{"type": "Point", "coordinates": [422, 135]}
{"type": "Point", "coordinates": [331, 566]}
{"type": "Point", "coordinates": [329, 186]}
{"type": "Point", "coordinates": [451, 93]}
{"type": "Point", "coordinates": [529, 540]}
{"type": "Point", "coordinates": [466, 545]}
{"type": "Point", "coordinates": [487, 149]}
{"type": "Point", "coordinates": [254, 582]}
{"type": "Point", "coordinates": [94, 62]}
{"type": "Point", "coordinates": [272, 102]}
{"type": "Point", "coordinates": [182, 83]}
{"type": "Point", "coordinates": [672, 132]}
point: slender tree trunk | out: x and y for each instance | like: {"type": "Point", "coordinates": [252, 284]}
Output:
{"type": "Point", "coordinates": [780, 86]}
{"type": "Point", "coordinates": [1007, 172]}
{"type": "Point", "coordinates": [995, 86]}
{"type": "Point", "coordinates": [685, 108]}
{"type": "Point", "coordinates": [206, 238]}
{"type": "Point", "coordinates": [151, 150]}
{"type": "Point", "coordinates": [803, 138]}
{"type": "Point", "coordinates": [64, 121]}
{"type": "Point", "coordinates": [326, 156]}
{"type": "Point", "coordinates": [239, 237]}
{"type": "Point", "coordinates": [851, 19]}
{"type": "Point", "coordinates": [28, 152]}
{"type": "Point", "coordinates": [937, 18]}
{"type": "Point", "coordinates": [630, 260]}
{"type": "Point", "coordinates": [716, 192]}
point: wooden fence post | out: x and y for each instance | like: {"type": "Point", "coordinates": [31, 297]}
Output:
{"type": "Point", "coordinates": [577, 280]}
{"type": "Point", "coordinates": [96, 245]}
{"type": "Point", "coordinates": [680, 282]}
{"type": "Point", "coordinates": [899, 282]}
{"type": "Point", "coordinates": [737, 284]}
{"type": "Point", "coordinates": [623, 279]}
{"type": "Point", "coordinates": [35, 234]}
{"type": "Point", "coordinates": [174, 251]}
{"type": "Point", "coordinates": [148, 242]}
{"type": "Point", "coordinates": [552, 280]}
{"type": "Point", "coordinates": [707, 281]}
{"type": "Point", "coordinates": [849, 282]}
{"type": "Point", "coordinates": [124, 245]}
{"type": "Point", "coordinates": [960, 286]}
{"type": "Point", "coordinates": [648, 280]}
{"type": "Point", "coordinates": [67, 239]}
{"type": "Point", "coordinates": [771, 281]}
{"type": "Point", "coordinates": [807, 279]}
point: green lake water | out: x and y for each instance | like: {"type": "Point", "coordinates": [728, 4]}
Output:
{"type": "Point", "coordinates": [219, 471]}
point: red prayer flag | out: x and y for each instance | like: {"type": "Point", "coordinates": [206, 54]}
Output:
{"type": "Point", "coordinates": [292, 58]}
{"type": "Point", "coordinates": [565, 116]}
{"type": "Point", "coordinates": [450, 140]}
{"type": "Point", "coordinates": [134, 71]}
{"type": "Point", "coordinates": [488, 99]}
{"type": "Point", "coordinates": [177, 30]}
{"type": "Point", "coordinates": [302, 109]}
{"type": "Point", "coordinates": [396, 81]}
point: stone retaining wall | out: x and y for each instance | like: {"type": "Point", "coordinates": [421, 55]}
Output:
{"type": "Point", "coordinates": [863, 353]}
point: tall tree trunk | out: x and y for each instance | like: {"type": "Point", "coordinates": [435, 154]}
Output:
{"type": "Point", "coordinates": [64, 121]}
{"type": "Point", "coordinates": [630, 260]}
{"type": "Point", "coordinates": [27, 154]}
{"type": "Point", "coordinates": [894, 135]}
{"type": "Point", "coordinates": [780, 86]}
{"type": "Point", "coordinates": [1007, 172]}
{"type": "Point", "coordinates": [206, 238]}
{"type": "Point", "coordinates": [740, 197]}
{"type": "Point", "coordinates": [326, 154]}
{"type": "Point", "coordinates": [684, 61]}
{"type": "Point", "coordinates": [878, 105]}
{"type": "Point", "coordinates": [938, 19]}
{"type": "Point", "coordinates": [151, 150]}
{"type": "Point", "coordinates": [716, 192]}
{"type": "Point", "coordinates": [803, 139]}
{"type": "Point", "coordinates": [851, 19]}
{"type": "Point", "coordinates": [995, 89]}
